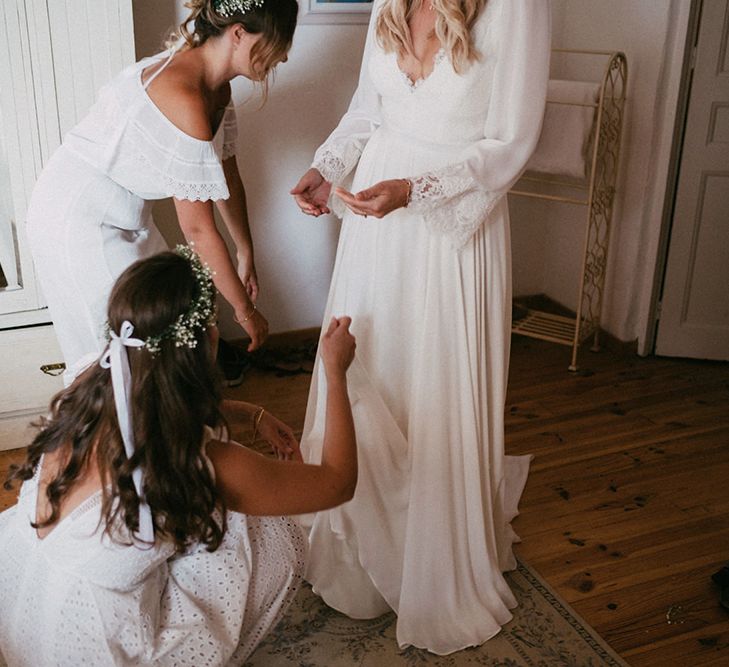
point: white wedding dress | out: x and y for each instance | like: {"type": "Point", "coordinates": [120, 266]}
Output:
{"type": "Point", "coordinates": [428, 287]}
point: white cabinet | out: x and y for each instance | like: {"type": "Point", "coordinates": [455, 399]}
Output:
{"type": "Point", "coordinates": [25, 390]}
{"type": "Point", "coordinates": [54, 56]}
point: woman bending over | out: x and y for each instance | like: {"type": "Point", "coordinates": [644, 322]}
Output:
{"type": "Point", "coordinates": [163, 127]}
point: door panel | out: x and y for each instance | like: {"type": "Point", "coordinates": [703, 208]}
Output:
{"type": "Point", "coordinates": [694, 320]}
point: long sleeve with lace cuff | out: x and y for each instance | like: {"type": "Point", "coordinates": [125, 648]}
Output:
{"type": "Point", "coordinates": [457, 198]}
{"type": "Point", "coordinates": [337, 158]}
{"type": "Point", "coordinates": [339, 155]}
{"type": "Point", "coordinates": [451, 203]}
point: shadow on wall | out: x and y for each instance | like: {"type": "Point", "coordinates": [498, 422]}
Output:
{"type": "Point", "coordinates": [153, 22]}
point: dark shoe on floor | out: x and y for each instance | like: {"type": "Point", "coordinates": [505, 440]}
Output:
{"type": "Point", "coordinates": [724, 597]}
{"type": "Point", "coordinates": [233, 363]}
{"type": "Point", "coordinates": [721, 579]}
{"type": "Point", "coordinates": [518, 312]}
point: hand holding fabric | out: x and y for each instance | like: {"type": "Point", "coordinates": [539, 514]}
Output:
{"type": "Point", "coordinates": [337, 347]}
{"type": "Point", "coordinates": [378, 200]}
{"type": "Point", "coordinates": [312, 193]}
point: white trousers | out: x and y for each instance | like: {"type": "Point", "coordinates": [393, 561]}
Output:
{"type": "Point", "coordinates": [84, 231]}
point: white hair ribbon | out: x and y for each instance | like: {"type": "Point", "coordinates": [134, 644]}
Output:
{"type": "Point", "coordinates": [117, 360]}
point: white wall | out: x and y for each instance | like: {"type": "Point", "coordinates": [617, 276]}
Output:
{"type": "Point", "coordinates": [651, 33]}
{"type": "Point", "coordinates": [295, 253]}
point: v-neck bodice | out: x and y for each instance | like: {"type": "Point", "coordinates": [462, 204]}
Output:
{"type": "Point", "coordinates": [438, 58]}
{"type": "Point", "coordinates": [444, 107]}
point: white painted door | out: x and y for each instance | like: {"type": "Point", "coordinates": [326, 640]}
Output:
{"type": "Point", "coordinates": [694, 317]}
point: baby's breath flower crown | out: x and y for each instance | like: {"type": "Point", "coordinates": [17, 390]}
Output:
{"type": "Point", "coordinates": [199, 315]}
{"type": "Point", "coordinates": [228, 8]}
{"type": "Point", "coordinates": [201, 312]}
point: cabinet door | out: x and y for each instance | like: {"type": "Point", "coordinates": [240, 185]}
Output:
{"type": "Point", "coordinates": [27, 393]}
{"type": "Point", "coordinates": [54, 56]}
{"type": "Point", "coordinates": [22, 68]}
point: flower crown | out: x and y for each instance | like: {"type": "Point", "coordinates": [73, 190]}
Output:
{"type": "Point", "coordinates": [228, 8]}
{"type": "Point", "coordinates": [199, 315]}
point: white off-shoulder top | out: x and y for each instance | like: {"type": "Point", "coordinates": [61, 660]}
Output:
{"type": "Point", "coordinates": [126, 137]}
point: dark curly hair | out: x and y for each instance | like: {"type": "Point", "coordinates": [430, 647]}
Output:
{"type": "Point", "coordinates": [175, 394]}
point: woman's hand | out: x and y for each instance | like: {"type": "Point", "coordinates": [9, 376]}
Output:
{"type": "Point", "coordinates": [255, 325]}
{"type": "Point", "coordinates": [380, 199]}
{"type": "Point", "coordinates": [337, 347]}
{"type": "Point", "coordinates": [280, 437]}
{"type": "Point", "coordinates": [247, 275]}
{"type": "Point", "coordinates": [312, 193]}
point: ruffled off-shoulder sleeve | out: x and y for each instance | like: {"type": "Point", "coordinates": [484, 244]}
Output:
{"type": "Point", "coordinates": [456, 199]}
{"type": "Point", "coordinates": [181, 166]}
{"type": "Point", "coordinates": [126, 137]}
{"type": "Point", "coordinates": [339, 154]}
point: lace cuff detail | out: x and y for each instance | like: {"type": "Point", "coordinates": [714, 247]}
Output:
{"type": "Point", "coordinates": [330, 166]}
{"type": "Point", "coordinates": [336, 159]}
{"type": "Point", "coordinates": [451, 203]}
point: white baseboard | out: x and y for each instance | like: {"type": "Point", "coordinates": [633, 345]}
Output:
{"type": "Point", "coordinates": [17, 431]}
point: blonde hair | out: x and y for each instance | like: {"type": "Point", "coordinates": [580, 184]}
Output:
{"type": "Point", "coordinates": [274, 20]}
{"type": "Point", "coordinates": [453, 24]}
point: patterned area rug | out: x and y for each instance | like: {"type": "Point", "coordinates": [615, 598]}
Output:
{"type": "Point", "coordinates": [544, 632]}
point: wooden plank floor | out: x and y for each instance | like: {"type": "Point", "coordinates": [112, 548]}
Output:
{"type": "Point", "coordinates": [626, 512]}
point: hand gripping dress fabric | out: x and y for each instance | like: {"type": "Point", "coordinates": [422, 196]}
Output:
{"type": "Point", "coordinates": [89, 216]}
{"type": "Point", "coordinates": [428, 288]}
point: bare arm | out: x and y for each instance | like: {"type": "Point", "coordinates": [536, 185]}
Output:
{"type": "Point", "coordinates": [234, 213]}
{"type": "Point", "coordinates": [266, 426]}
{"type": "Point", "coordinates": [253, 484]}
{"type": "Point", "coordinates": [234, 408]}
{"type": "Point", "coordinates": [234, 210]}
{"type": "Point", "coordinates": [198, 225]}
{"type": "Point", "coordinates": [184, 106]}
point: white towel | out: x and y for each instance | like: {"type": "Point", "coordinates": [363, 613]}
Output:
{"type": "Point", "coordinates": [565, 139]}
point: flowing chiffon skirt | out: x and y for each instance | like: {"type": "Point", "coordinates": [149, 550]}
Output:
{"type": "Point", "coordinates": [428, 532]}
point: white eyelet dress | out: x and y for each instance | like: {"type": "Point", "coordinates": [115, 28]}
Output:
{"type": "Point", "coordinates": [89, 216]}
{"type": "Point", "coordinates": [77, 598]}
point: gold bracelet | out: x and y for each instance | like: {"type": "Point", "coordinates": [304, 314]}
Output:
{"type": "Point", "coordinates": [248, 317]}
{"type": "Point", "coordinates": [410, 191]}
{"type": "Point", "coordinates": [257, 416]}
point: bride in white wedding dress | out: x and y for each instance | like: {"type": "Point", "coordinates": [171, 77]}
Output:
{"type": "Point", "coordinates": [447, 112]}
